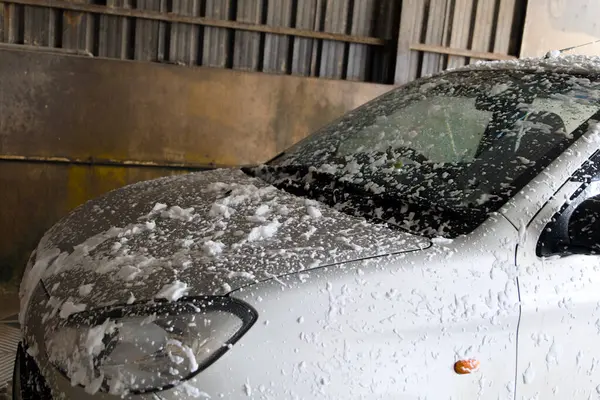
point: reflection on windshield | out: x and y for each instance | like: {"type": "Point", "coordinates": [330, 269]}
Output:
{"type": "Point", "coordinates": [442, 129]}
{"type": "Point", "coordinates": [436, 158]}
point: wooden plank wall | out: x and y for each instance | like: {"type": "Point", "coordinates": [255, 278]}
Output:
{"type": "Point", "coordinates": [439, 34]}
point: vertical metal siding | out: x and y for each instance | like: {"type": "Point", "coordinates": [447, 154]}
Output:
{"type": "Point", "coordinates": [277, 47]}
{"type": "Point", "coordinates": [40, 26]}
{"type": "Point", "coordinates": [304, 58]}
{"type": "Point", "coordinates": [434, 35]}
{"type": "Point", "coordinates": [149, 35]}
{"type": "Point", "coordinates": [461, 23]}
{"type": "Point", "coordinates": [11, 23]}
{"type": "Point", "coordinates": [115, 33]}
{"type": "Point", "coordinates": [3, 22]}
{"type": "Point", "coordinates": [460, 31]}
{"type": "Point", "coordinates": [484, 20]}
{"type": "Point", "coordinates": [246, 47]}
{"type": "Point", "coordinates": [415, 35]}
{"type": "Point", "coordinates": [216, 41]}
{"type": "Point", "coordinates": [504, 26]}
{"type": "Point", "coordinates": [411, 24]}
{"type": "Point", "coordinates": [183, 45]}
{"type": "Point", "coordinates": [78, 30]}
{"type": "Point", "coordinates": [332, 53]}
{"type": "Point", "coordinates": [363, 19]}
{"type": "Point", "coordinates": [382, 59]}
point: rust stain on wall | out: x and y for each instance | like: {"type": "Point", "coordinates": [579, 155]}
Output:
{"type": "Point", "coordinates": [36, 195]}
{"type": "Point", "coordinates": [72, 18]}
{"type": "Point", "coordinates": [71, 107]}
{"type": "Point", "coordinates": [57, 105]}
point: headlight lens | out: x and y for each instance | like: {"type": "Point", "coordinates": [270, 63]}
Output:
{"type": "Point", "coordinates": [147, 347]}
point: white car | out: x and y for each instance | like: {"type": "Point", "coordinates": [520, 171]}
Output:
{"type": "Point", "coordinates": [439, 242]}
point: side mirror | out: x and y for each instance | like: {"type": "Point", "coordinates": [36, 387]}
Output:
{"type": "Point", "coordinates": [584, 226]}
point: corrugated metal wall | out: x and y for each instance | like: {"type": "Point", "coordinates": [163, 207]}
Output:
{"type": "Point", "coordinates": [438, 34]}
{"type": "Point", "coordinates": [337, 39]}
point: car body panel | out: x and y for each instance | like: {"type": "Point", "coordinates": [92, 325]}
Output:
{"type": "Point", "coordinates": [383, 315]}
{"type": "Point", "coordinates": [385, 328]}
{"type": "Point", "coordinates": [209, 229]}
{"type": "Point", "coordinates": [560, 323]}
{"type": "Point", "coordinates": [380, 328]}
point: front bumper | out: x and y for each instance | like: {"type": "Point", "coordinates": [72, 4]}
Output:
{"type": "Point", "coordinates": [28, 382]}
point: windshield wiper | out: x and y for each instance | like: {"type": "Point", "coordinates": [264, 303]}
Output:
{"type": "Point", "coordinates": [400, 210]}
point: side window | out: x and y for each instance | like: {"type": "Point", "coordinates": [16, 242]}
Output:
{"type": "Point", "coordinates": [575, 228]}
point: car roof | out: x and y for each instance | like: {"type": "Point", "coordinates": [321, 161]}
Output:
{"type": "Point", "coordinates": [573, 64]}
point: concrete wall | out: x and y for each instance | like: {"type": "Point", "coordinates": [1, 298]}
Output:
{"type": "Point", "coordinates": [100, 114]}
{"type": "Point", "coordinates": [558, 24]}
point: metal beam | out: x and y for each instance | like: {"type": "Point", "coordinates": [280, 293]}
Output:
{"type": "Point", "coordinates": [56, 50]}
{"type": "Point", "coordinates": [108, 162]}
{"type": "Point", "coordinates": [430, 48]}
{"type": "Point", "coordinates": [171, 17]}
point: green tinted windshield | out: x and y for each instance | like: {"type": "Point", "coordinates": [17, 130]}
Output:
{"type": "Point", "coordinates": [438, 156]}
{"type": "Point", "coordinates": [443, 129]}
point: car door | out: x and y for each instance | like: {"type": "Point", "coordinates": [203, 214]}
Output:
{"type": "Point", "coordinates": [559, 331]}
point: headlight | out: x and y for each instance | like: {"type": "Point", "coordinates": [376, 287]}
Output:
{"type": "Point", "coordinates": [146, 347]}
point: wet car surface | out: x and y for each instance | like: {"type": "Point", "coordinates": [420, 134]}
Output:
{"type": "Point", "coordinates": [437, 242]}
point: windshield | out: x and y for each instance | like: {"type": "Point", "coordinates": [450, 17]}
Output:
{"type": "Point", "coordinates": [438, 156]}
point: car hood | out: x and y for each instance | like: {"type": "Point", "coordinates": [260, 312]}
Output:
{"type": "Point", "coordinates": [198, 234]}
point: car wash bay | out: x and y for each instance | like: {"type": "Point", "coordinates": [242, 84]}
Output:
{"type": "Point", "coordinates": [98, 95]}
